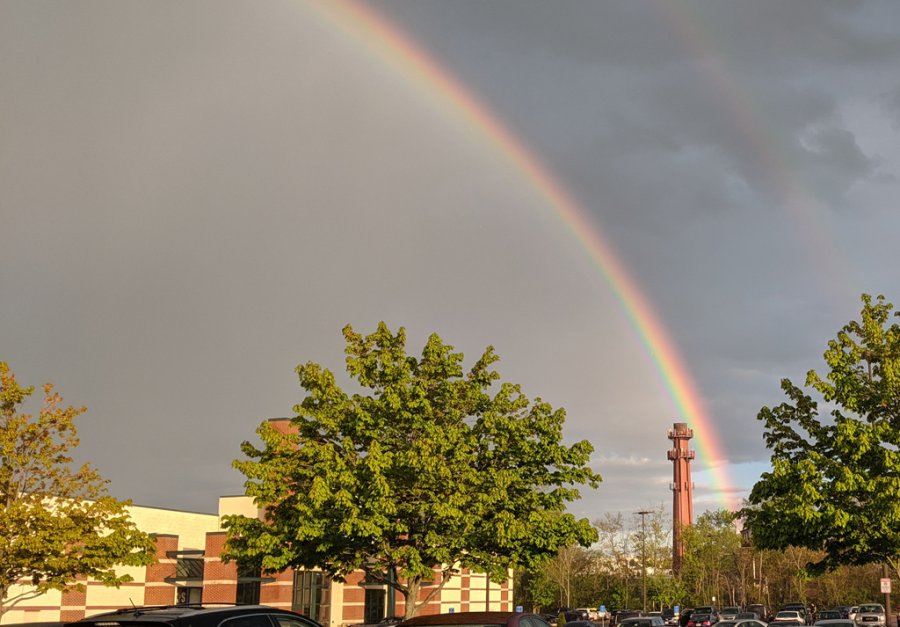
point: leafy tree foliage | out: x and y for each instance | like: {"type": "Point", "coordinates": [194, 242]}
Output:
{"type": "Point", "coordinates": [57, 522]}
{"type": "Point", "coordinates": [428, 468]}
{"type": "Point", "coordinates": [835, 483]}
{"type": "Point", "coordinates": [711, 545]}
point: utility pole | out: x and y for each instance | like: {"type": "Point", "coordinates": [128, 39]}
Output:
{"type": "Point", "coordinates": [642, 514]}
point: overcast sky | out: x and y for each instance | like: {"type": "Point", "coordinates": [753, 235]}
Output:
{"type": "Point", "coordinates": [197, 196]}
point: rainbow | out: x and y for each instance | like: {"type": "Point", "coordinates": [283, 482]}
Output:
{"type": "Point", "coordinates": [810, 216]}
{"type": "Point", "coordinates": [402, 55]}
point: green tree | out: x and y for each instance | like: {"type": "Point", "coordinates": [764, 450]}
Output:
{"type": "Point", "coordinates": [710, 544]}
{"type": "Point", "coordinates": [426, 468]}
{"type": "Point", "coordinates": [57, 522]}
{"type": "Point", "coordinates": [834, 486]}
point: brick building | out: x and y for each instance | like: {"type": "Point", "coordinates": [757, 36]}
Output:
{"type": "Point", "coordinates": [189, 570]}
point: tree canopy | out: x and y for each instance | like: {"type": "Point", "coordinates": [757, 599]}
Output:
{"type": "Point", "coordinates": [57, 522]}
{"type": "Point", "coordinates": [835, 482]}
{"type": "Point", "coordinates": [426, 467]}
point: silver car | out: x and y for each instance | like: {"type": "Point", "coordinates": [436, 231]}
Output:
{"type": "Point", "coordinates": [870, 615]}
{"type": "Point", "coordinates": [729, 613]}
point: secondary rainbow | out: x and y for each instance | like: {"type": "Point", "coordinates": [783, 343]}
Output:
{"type": "Point", "coordinates": [812, 219]}
{"type": "Point", "coordinates": [399, 51]}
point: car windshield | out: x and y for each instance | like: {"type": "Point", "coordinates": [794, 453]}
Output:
{"type": "Point", "coordinates": [871, 609]}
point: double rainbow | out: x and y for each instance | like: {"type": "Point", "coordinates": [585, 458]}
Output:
{"type": "Point", "coordinates": [401, 54]}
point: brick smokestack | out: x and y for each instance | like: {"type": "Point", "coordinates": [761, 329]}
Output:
{"type": "Point", "coordinates": [682, 489]}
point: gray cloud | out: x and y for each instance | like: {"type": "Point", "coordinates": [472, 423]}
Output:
{"type": "Point", "coordinates": [196, 197]}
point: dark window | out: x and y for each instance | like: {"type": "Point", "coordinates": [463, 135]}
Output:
{"type": "Point", "coordinates": [374, 608]}
{"type": "Point", "coordinates": [284, 620]}
{"type": "Point", "coordinates": [247, 593]}
{"type": "Point", "coordinates": [248, 585]}
{"type": "Point", "coordinates": [189, 568]}
{"type": "Point", "coordinates": [247, 620]}
{"type": "Point", "coordinates": [185, 595]}
{"type": "Point", "coordinates": [307, 599]}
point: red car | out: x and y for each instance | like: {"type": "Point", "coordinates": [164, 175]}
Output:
{"type": "Point", "coordinates": [477, 619]}
{"type": "Point", "coordinates": [700, 620]}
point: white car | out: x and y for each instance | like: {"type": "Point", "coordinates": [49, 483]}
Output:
{"type": "Point", "coordinates": [789, 616]}
{"type": "Point", "coordinates": [586, 611]}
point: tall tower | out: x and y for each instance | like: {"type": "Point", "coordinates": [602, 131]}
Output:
{"type": "Point", "coordinates": [682, 489]}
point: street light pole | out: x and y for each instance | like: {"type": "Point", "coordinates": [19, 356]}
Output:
{"type": "Point", "coordinates": [642, 514]}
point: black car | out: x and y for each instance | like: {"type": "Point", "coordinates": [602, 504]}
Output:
{"type": "Point", "coordinates": [623, 614]}
{"type": "Point", "coordinates": [198, 616]}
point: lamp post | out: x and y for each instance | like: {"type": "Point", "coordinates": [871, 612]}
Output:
{"type": "Point", "coordinates": [642, 514]}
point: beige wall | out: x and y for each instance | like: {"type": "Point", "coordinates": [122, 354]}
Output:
{"type": "Point", "coordinates": [188, 530]}
{"type": "Point", "coordinates": [191, 529]}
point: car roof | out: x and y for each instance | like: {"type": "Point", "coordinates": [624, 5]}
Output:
{"type": "Point", "coordinates": [464, 618]}
{"type": "Point", "coordinates": [173, 613]}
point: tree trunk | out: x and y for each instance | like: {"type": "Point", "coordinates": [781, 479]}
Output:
{"type": "Point", "coordinates": [412, 595]}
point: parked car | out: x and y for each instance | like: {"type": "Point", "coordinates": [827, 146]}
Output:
{"type": "Point", "coordinates": [700, 619]}
{"type": "Point", "coordinates": [746, 622]}
{"type": "Point", "coordinates": [761, 611]}
{"type": "Point", "coordinates": [198, 616]}
{"type": "Point", "coordinates": [669, 617]}
{"type": "Point", "coordinates": [643, 621]}
{"type": "Point", "coordinates": [479, 619]}
{"type": "Point", "coordinates": [710, 610]}
{"type": "Point", "coordinates": [870, 615]}
{"type": "Point", "coordinates": [829, 615]}
{"type": "Point", "coordinates": [796, 607]}
{"type": "Point", "coordinates": [590, 613]}
{"type": "Point", "coordinates": [685, 617]}
{"type": "Point", "coordinates": [624, 614]}
{"type": "Point", "coordinates": [851, 614]}
{"type": "Point", "coordinates": [729, 613]}
{"type": "Point", "coordinates": [789, 616]}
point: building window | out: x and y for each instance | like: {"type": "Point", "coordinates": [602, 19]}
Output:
{"type": "Point", "coordinates": [248, 585]}
{"type": "Point", "coordinates": [189, 568]}
{"type": "Point", "coordinates": [188, 595]}
{"type": "Point", "coordinates": [374, 608]}
{"type": "Point", "coordinates": [307, 597]}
